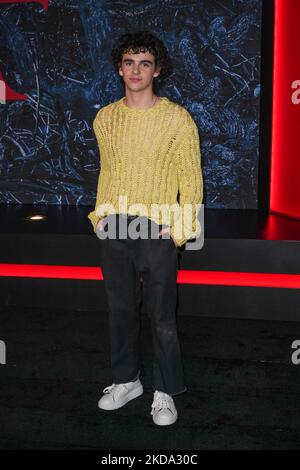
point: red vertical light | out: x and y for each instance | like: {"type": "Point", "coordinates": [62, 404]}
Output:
{"type": "Point", "coordinates": [285, 161]}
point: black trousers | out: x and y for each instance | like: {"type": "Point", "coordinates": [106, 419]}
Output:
{"type": "Point", "coordinates": [123, 261]}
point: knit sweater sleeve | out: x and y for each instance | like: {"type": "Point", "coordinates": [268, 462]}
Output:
{"type": "Point", "coordinates": [190, 184]}
{"type": "Point", "coordinates": [94, 218]}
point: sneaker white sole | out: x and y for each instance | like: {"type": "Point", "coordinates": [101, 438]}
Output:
{"type": "Point", "coordinates": [104, 404]}
{"type": "Point", "coordinates": [165, 420]}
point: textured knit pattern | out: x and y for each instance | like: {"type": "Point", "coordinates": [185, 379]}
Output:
{"type": "Point", "coordinates": [148, 156]}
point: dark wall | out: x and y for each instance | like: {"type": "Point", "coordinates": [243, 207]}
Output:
{"type": "Point", "coordinates": [60, 59]}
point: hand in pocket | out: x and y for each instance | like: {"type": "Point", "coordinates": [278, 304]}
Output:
{"type": "Point", "coordinates": [100, 225]}
{"type": "Point", "coordinates": [167, 230]}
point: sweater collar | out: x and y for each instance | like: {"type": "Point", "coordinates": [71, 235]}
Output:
{"type": "Point", "coordinates": [153, 109]}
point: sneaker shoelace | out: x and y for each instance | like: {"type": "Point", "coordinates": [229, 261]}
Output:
{"type": "Point", "coordinates": [114, 390]}
{"type": "Point", "coordinates": [162, 402]}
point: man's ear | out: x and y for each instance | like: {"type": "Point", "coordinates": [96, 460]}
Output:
{"type": "Point", "coordinates": [120, 69]}
{"type": "Point", "coordinates": [157, 72]}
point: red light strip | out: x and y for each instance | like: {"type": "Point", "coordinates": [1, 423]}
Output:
{"type": "Point", "coordinates": [51, 271]}
{"type": "Point", "coordinates": [226, 278]}
{"type": "Point", "coordinates": [236, 278]}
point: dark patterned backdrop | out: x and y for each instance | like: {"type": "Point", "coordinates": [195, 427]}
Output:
{"type": "Point", "coordinates": [60, 58]}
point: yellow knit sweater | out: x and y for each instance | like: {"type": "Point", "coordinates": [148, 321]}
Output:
{"type": "Point", "coordinates": [148, 156]}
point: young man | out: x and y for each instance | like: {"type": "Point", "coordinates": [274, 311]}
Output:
{"type": "Point", "coordinates": [149, 149]}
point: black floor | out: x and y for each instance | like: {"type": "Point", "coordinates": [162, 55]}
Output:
{"type": "Point", "coordinates": [243, 389]}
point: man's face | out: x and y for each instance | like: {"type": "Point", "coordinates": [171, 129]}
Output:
{"type": "Point", "coordinates": [138, 70]}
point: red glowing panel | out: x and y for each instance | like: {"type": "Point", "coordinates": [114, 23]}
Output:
{"type": "Point", "coordinates": [285, 162]}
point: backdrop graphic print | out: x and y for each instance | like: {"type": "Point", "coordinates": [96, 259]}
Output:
{"type": "Point", "coordinates": [59, 58]}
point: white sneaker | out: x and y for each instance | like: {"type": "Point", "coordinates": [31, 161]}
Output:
{"type": "Point", "coordinates": [163, 409]}
{"type": "Point", "coordinates": [117, 395]}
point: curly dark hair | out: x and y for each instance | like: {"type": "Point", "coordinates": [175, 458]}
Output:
{"type": "Point", "coordinates": [142, 41]}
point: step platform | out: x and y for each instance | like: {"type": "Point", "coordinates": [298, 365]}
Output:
{"type": "Point", "coordinates": [248, 267]}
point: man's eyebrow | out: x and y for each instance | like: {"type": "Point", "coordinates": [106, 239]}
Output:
{"type": "Point", "coordinates": [145, 60]}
